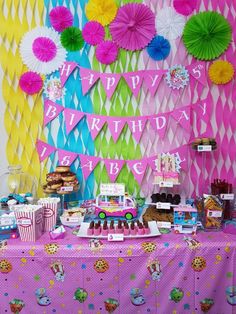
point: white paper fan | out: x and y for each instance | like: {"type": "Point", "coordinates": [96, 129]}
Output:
{"type": "Point", "coordinates": [46, 38]}
{"type": "Point", "coordinates": [169, 23]}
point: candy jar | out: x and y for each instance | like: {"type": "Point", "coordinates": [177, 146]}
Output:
{"type": "Point", "coordinates": [17, 182]}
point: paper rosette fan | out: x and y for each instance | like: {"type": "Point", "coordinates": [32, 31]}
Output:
{"type": "Point", "coordinates": [185, 7]}
{"type": "Point", "coordinates": [169, 23]}
{"type": "Point", "coordinates": [158, 48]}
{"type": "Point", "coordinates": [41, 50]}
{"type": "Point", "coordinates": [31, 82]}
{"type": "Point", "coordinates": [221, 72]}
{"type": "Point", "coordinates": [107, 52]}
{"type": "Point", "coordinates": [60, 18]}
{"type": "Point", "coordinates": [72, 39]}
{"type": "Point", "coordinates": [102, 11]}
{"type": "Point", "coordinates": [207, 35]}
{"type": "Point", "coordinates": [133, 27]}
{"type": "Point", "coordinates": [93, 33]}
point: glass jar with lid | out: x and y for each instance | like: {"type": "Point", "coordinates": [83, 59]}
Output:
{"type": "Point", "coordinates": [18, 182]}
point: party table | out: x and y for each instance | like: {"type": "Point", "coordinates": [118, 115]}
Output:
{"type": "Point", "coordinates": [166, 274]}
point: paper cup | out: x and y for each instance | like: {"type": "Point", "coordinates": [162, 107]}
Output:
{"type": "Point", "coordinates": [50, 209]}
{"type": "Point", "coordinates": [29, 219]}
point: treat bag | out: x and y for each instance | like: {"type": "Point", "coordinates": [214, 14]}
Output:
{"type": "Point", "coordinates": [50, 209]}
{"type": "Point", "coordinates": [29, 219]}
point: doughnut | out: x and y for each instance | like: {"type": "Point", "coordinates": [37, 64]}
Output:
{"type": "Point", "coordinates": [55, 184]}
{"type": "Point", "coordinates": [48, 190]}
{"type": "Point", "coordinates": [62, 169]}
{"type": "Point", "coordinates": [71, 183]}
{"type": "Point", "coordinates": [53, 176]}
{"type": "Point", "coordinates": [68, 176]}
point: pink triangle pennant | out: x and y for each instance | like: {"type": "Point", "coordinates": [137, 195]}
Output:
{"type": "Point", "coordinates": [159, 123]}
{"type": "Point", "coordinates": [182, 153]}
{"type": "Point", "coordinates": [44, 150]}
{"type": "Point", "coordinates": [116, 126]}
{"type": "Point", "coordinates": [72, 118]}
{"type": "Point", "coordinates": [137, 125]}
{"type": "Point", "coordinates": [87, 164]}
{"type": "Point", "coordinates": [51, 111]}
{"type": "Point", "coordinates": [138, 168]}
{"type": "Point", "coordinates": [182, 116]}
{"type": "Point", "coordinates": [95, 124]}
{"type": "Point", "coordinates": [134, 81]}
{"type": "Point", "coordinates": [203, 109]}
{"type": "Point", "coordinates": [66, 70]}
{"type": "Point", "coordinates": [113, 167]}
{"type": "Point", "coordinates": [88, 79]}
{"type": "Point", "coordinates": [109, 82]}
{"type": "Point", "coordinates": [152, 79]}
{"type": "Point", "coordinates": [198, 71]}
{"type": "Point", "coordinates": [66, 158]}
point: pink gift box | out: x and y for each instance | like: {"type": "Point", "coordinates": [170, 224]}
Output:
{"type": "Point", "coordinates": [29, 219]}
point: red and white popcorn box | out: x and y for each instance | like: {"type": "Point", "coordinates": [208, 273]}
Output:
{"type": "Point", "coordinates": [50, 208]}
{"type": "Point", "coordinates": [29, 219]}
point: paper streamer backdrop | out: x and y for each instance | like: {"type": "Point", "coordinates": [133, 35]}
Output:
{"type": "Point", "coordinates": [23, 117]}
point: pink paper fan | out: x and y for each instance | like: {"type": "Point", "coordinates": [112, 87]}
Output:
{"type": "Point", "coordinates": [44, 49]}
{"type": "Point", "coordinates": [107, 52]}
{"type": "Point", "coordinates": [133, 27]}
{"type": "Point", "coordinates": [31, 82]}
{"type": "Point", "coordinates": [185, 7]}
{"type": "Point", "coordinates": [93, 33]}
{"type": "Point", "coordinates": [60, 18]}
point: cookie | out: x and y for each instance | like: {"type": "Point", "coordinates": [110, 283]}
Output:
{"type": "Point", "coordinates": [5, 266]}
{"type": "Point", "coordinates": [198, 263]}
{"type": "Point", "coordinates": [149, 247]}
{"type": "Point", "coordinates": [101, 265]}
{"type": "Point", "coordinates": [51, 248]}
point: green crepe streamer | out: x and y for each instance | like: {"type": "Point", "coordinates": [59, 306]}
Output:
{"type": "Point", "coordinates": [207, 35]}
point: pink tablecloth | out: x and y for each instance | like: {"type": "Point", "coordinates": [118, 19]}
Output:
{"type": "Point", "coordinates": [173, 277]}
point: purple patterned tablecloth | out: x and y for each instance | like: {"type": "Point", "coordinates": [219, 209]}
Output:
{"type": "Point", "coordinates": [169, 274]}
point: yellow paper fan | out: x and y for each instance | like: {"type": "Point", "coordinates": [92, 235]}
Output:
{"type": "Point", "coordinates": [221, 72]}
{"type": "Point", "coordinates": [102, 11]}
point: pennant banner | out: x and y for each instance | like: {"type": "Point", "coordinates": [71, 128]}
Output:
{"type": "Point", "coordinates": [51, 111]}
{"type": "Point", "coordinates": [66, 70]}
{"type": "Point", "coordinates": [113, 166]}
{"type": "Point", "coordinates": [159, 122]}
{"type": "Point", "coordinates": [134, 80]}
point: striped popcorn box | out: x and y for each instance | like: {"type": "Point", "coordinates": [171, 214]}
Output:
{"type": "Point", "coordinates": [29, 219]}
{"type": "Point", "coordinates": [50, 207]}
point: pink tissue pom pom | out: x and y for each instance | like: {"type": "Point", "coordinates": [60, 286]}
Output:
{"type": "Point", "coordinates": [31, 82]}
{"type": "Point", "coordinates": [185, 7]}
{"type": "Point", "coordinates": [93, 33]}
{"type": "Point", "coordinates": [60, 18]}
{"type": "Point", "coordinates": [107, 52]}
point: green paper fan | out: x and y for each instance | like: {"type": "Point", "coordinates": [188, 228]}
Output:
{"type": "Point", "coordinates": [207, 35]}
{"type": "Point", "coordinates": [71, 39]}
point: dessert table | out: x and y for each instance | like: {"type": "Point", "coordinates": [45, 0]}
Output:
{"type": "Point", "coordinates": [167, 274]}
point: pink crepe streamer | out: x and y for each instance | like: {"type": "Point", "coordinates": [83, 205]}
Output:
{"type": "Point", "coordinates": [232, 149]}
{"type": "Point", "coordinates": [106, 52]}
{"type": "Point", "coordinates": [185, 7]}
{"type": "Point", "coordinates": [44, 49]}
{"type": "Point", "coordinates": [223, 172]}
{"type": "Point", "coordinates": [224, 145]}
{"type": "Point", "coordinates": [30, 82]}
{"type": "Point", "coordinates": [218, 113]}
{"type": "Point", "coordinates": [60, 18]}
{"type": "Point", "coordinates": [133, 27]}
{"type": "Point", "coordinates": [93, 33]}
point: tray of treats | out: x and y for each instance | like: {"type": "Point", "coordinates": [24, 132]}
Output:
{"type": "Point", "coordinates": [73, 217]}
{"type": "Point", "coordinates": [153, 213]}
{"type": "Point", "coordinates": [133, 229]}
{"type": "Point", "coordinates": [61, 181]}
{"type": "Point", "coordinates": [204, 142]}
{"type": "Point", "coordinates": [213, 212]}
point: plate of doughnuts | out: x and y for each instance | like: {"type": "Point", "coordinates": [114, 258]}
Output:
{"type": "Point", "coordinates": [61, 181]}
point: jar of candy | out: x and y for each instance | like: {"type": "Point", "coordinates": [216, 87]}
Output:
{"type": "Point", "coordinates": [16, 182]}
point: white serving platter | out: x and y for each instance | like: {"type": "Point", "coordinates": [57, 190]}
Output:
{"type": "Point", "coordinates": [154, 232]}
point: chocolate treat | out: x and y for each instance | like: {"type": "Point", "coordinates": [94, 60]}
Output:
{"type": "Point", "coordinates": [169, 198]}
{"type": "Point", "coordinates": [176, 199]}
{"type": "Point", "coordinates": [154, 198]}
{"type": "Point", "coordinates": [132, 226]}
{"type": "Point", "coordinates": [163, 197]}
{"type": "Point", "coordinates": [152, 214]}
{"type": "Point", "coordinates": [91, 225]}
